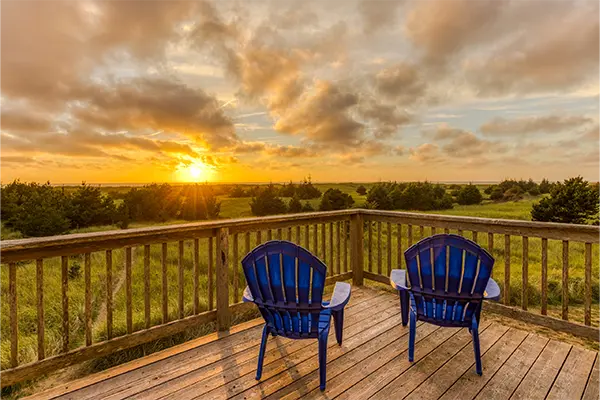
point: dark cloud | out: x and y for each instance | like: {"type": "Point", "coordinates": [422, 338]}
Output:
{"type": "Point", "coordinates": [385, 119]}
{"type": "Point", "coordinates": [537, 124]}
{"type": "Point", "coordinates": [458, 142]}
{"type": "Point", "coordinates": [401, 83]}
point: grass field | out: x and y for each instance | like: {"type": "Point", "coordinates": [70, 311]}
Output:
{"type": "Point", "coordinates": [239, 207]}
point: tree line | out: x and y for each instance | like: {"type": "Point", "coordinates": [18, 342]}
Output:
{"type": "Point", "coordinates": [43, 210]}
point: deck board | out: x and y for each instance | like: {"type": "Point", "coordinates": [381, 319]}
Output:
{"type": "Point", "coordinates": [371, 363]}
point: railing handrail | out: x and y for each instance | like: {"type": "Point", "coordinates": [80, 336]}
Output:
{"type": "Point", "coordinates": [31, 248]}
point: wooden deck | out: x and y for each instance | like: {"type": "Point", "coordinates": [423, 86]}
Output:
{"type": "Point", "coordinates": [372, 363]}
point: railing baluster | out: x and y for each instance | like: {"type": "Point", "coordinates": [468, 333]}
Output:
{"type": "Point", "coordinates": [222, 277]}
{"type": "Point", "coordinates": [421, 232]}
{"type": "Point", "coordinates": [279, 234]}
{"type": "Point", "coordinates": [235, 269]}
{"type": "Point", "coordinates": [507, 269]}
{"type": "Point", "coordinates": [324, 246]}
{"type": "Point", "coordinates": [307, 236]}
{"type": "Point", "coordinates": [446, 231]}
{"type": "Point", "coordinates": [389, 248]}
{"type": "Point", "coordinates": [297, 234]}
{"type": "Point", "coordinates": [197, 275]}
{"type": "Point", "coordinates": [315, 248]}
{"type": "Point", "coordinates": [357, 249]}
{"type": "Point", "coordinates": [258, 237]}
{"type": "Point", "coordinates": [14, 322]}
{"type": "Point", "coordinates": [109, 295]}
{"type": "Point", "coordinates": [147, 285]}
{"type": "Point", "coordinates": [588, 284]}
{"type": "Point", "coordinates": [474, 233]}
{"type": "Point", "coordinates": [181, 281]}
{"type": "Point", "coordinates": [379, 256]}
{"type": "Point", "coordinates": [165, 285]}
{"type": "Point", "coordinates": [370, 248]}
{"type": "Point", "coordinates": [88, 299]}
{"type": "Point", "coordinates": [269, 235]}
{"type": "Point", "coordinates": [331, 247]}
{"type": "Point", "coordinates": [65, 302]}
{"type": "Point", "coordinates": [289, 233]}
{"type": "Point", "coordinates": [128, 289]}
{"type": "Point", "coordinates": [460, 232]}
{"type": "Point", "coordinates": [409, 234]}
{"type": "Point", "coordinates": [565, 280]}
{"type": "Point", "coordinates": [210, 268]}
{"type": "Point", "coordinates": [247, 243]}
{"type": "Point", "coordinates": [491, 249]}
{"type": "Point", "coordinates": [39, 274]}
{"type": "Point", "coordinates": [400, 254]}
{"type": "Point", "coordinates": [346, 238]}
{"type": "Point", "coordinates": [525, 281]}
{"type": "Point", "coordinates": [338, 262]}
{"type": "Point", "coordinates": [544, 276]}
{"type": "Point", "coordinates": [433, 230]}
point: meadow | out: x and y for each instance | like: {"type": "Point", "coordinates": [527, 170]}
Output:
{"type": "Point", "coordinates": [239, 207]}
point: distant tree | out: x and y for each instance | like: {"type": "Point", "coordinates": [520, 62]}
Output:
{"type": "Point", "coordinates": [574, 201]}
{"type": "Point", "coordinates": [237, 192]}
{"type": "Point", "coordinates": [287, 190]}
{"type": "Point", "coordinates": [469, 194]}
{"type": "Point", "coordinates": [335, 199]}
{"type": "Point", "coordinates": [361, 190]}
{"type": "Point", "coordinates": [295, 205]}
{"type": "Point", "coordinates": [307, 191]}
{"type": "Point", "coordinates": [489, 189]}
{"type": "Point", "coordinates": [307, 207]}
{"type": "Point", "coordinates": [267, 202]}
{"type": "Point", "coordinates": [379, 197]}
{"type": "Point", "coordinates": [534, 191]}
{"type": "Point", "coordinates": [497, 194]}
{"type": "Point", "coordinates": [199, 203]}
{"type": "Point", "coordinates": [515, 193]}
{"type": "Point", "coordinates": [88, 207]}
{"type": "Point", "coordinates": [545, 186]}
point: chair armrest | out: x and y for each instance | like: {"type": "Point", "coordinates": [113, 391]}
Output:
{"type": "Point", "coordinates": [398, 279]}
{"type": "Point", "coordinates": [492, 291]}
{"type": "Point", "coordinates": [340, 297]}
{"type": "Point", "coordinates": [247, 296]}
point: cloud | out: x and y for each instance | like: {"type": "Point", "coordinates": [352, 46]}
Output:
{"type": "Point", "coordinates": [462, 143]}
{"type": "Point", "coordinates": [384, 118]}
{"type": "Point", "coordinates": [378, 14]}
{"type": "Point", "coordinates": [425, 153]}
{"type": "Point", "coordinates": [526, 125]}
{"type": "Point", "coordinates": [401, 82]}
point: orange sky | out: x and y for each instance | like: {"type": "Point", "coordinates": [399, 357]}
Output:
{"type": "Point", "coordinates": [160, 91]}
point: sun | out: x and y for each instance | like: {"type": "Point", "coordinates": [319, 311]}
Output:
{"type": "Point", "coordinates": [194, 172]}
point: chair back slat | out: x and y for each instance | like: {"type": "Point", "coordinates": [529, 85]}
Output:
{"type": "Point", "coordinates": [448, 275]}
{"type": "Point", "coordinates": [287, 284]}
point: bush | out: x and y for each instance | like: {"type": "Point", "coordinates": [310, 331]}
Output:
{"type": "Point", "coordinates": [361, 190]}
{"type": "Point", "coordinates": [515, 193]}
{"type": "Point", "coordinates": [267, 203]}
{"type": "Point", "coordinates": [306, 191]}
{"type": "Point", "coordinates": [489, 189]}
{"type": "Point", "coordinates": [295, 205]}
{"type": "Point", "coordinates": [379, 197]}
{"type": "Point", "coordinates": [335, 199]}
{"type": "Point", "coordinates": [469, 194]}
{"type": "Point", "coordinates": [545, 186]}
{"type": "Point", "coordinates": [307, 207]}
{"type": "Point", "coordinates": [199, 202]}
{"type": "Point", "coordinates": [288, 190]}
{"type": "Point", "coordinates": [408, 196]}
{"type": "Point", "coordinates": [88, 207]}
{"type": "Point", "coordinates": [574, 201]}
{"type": "Point", "coordinates": [534, 191]}
{"type": "Point", "coordinates": [237, 192]}
{"type": "Point", "coordinates": [496, 194]}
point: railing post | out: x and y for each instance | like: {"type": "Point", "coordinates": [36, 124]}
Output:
{"type": "Point", "coordinates": [222, 277]}
{"type": "Point", "coordinates": [356, 248]}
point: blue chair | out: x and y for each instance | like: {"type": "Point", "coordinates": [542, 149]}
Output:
{"type": "Point", "coordinates": [448, 279]}
{"type": "Point", "coordinates": [286, 282]}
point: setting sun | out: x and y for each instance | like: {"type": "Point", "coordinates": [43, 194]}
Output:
{"type": "Point", "coordinates": [193, 172]}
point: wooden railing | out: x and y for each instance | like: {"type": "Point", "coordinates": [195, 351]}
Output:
{"type": "Point", "coordinates": [140, 285]}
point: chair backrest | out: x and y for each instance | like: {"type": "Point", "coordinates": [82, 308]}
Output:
{"type": "Point", "coordinates": [448, 275]}
{"type": "Point", "coordinates": [287, 284]}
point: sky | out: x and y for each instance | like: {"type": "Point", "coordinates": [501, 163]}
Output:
{"type": "Point", "coordinates": [258, 91]}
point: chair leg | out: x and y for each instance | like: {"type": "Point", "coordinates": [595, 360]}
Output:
{"type": "Point", "coordinates": [261, 352]}
{"type": "Point", "coordinates": [412, 333]}
{"type": "Point", "coordinates": [404, 306]}
{"type": "Point", "coordinates": [475, 334]}
{"type": "Point", "coordinates": [338, 322]}
{"type": "Point", "coordinates": [322, 362]}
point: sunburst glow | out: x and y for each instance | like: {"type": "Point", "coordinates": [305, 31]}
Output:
{"type": "Point", "coordinates": [194, 172]}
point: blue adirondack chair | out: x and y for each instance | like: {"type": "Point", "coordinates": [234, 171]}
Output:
{"type": "Point", "coordinates": [286, 282]}
{"type": "Point", "coordinates": [448, 279]}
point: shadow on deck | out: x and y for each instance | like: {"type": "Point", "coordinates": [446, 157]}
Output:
{"type": "Point", "coordinates": [372, 363]}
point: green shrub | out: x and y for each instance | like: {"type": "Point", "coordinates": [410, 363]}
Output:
{"type": "Point", "coordinates": [335, 199]}
{"type": "Point", "coordinates": [267, 203]}
{"type": "Point", "coordinates": [574, 201]}
{"type": "Point", "coordinates": [469, 194]}
{"type": "Point", "coordinates": [361, 190]}
{"type": "Point", "coordinates": [295, 205]}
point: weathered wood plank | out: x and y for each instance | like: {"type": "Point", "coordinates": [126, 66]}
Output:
{"type": "Point", "coordinates": [269, 235]}
{"type": "Point", "coordinates": [307, 236]}
{"type": "Point", "coordinates": [315, 248]}
{"type": "Point", "coordinates": [538, 380]}
{"type": "Point", "coordinates": [338, 260]}
{"type": "Point", "coordinates": [128, 292]}
{"type": "Point", "coordinates": [507, 270]}
{"type": "Point", "coordinates": [400, 253]}
{"type": "Point", "coordinates": [588, 285]}
{"type": "Point", "coordinates": [235, 266]}
{"type": "Point", "coordinates": [223, 312]}
{"type": "Point", "coordinates": [565, 279]}
{"type": "Point", "coordinates": [370, 248]}
{"type": "Point", "coordinates": [409, 234]}
{"type": "Point", "coordinates": [211, 267]}
{"type": "Point", "coordinates": [474, 233]}
{"type": "Point", "coordinates": [14, 321]}
{"type": "Point", "coordinates": [410, 379]}
{"type": "Point", "coordinates": [591, 389]}
{"type": "Point", "coordinates": [324, 244]}
{"type": "Point", "coordinates": [469, 384]}
{"type": "Point", "coordinates": [572, 378]}
{"type": "Point", "coordinates": [437, 384]}
{"type": "Point", "coordinates": [389, 248]}
{"type": "Point", "coordinates": [331, 248]}
{"type": "Point", "coordinates": [346, 238]}
{"type": "Point", "coordinates": [379, 252]}
{"type": "Point", "coordinates": [88, 298]}
{"type": "Point", "coordinates": [544, 308]}
{"type": "Point", "coordinates": [421, 232]}
{"type": "Point", "coordinates": [165, 285]}
{"type": "Point", "coordinates": [508, 377]}
{"type": "Point", "coordinates": [180, 280]}
{"type": "Point", "coordinates": [39, 278]}
{"type": "Point", "coordinates": [65, 302]}
{"type": "Point", "coordinates": [525, 273]}
{"type": "Point", "coordinates": [109, 295]}
{"type": "Point", "coordinates": [147, 286]}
